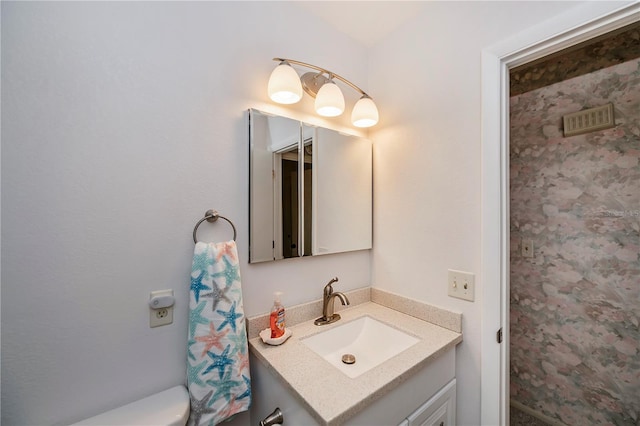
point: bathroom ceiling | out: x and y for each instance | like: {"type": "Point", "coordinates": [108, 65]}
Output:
{"type": "Point", "coordinates": [366, 21]}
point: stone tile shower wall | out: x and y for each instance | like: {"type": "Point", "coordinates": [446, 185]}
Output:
{"type": "Point", "coordinates": [575, 306]}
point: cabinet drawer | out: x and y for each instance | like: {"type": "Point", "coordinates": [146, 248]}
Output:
{"type": "Point", "coordinates": [440, 410]}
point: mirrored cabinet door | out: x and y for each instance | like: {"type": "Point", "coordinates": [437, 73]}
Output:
{"type": "Point", "coordinates": [342, 214]}
{"type": "Point", "coordinates": [273, 187]}
{"type": "Point", "coordinates": [310, 190]}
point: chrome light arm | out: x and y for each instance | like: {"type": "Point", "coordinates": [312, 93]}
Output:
{"type": "Point", "coordinates": [331, 74]}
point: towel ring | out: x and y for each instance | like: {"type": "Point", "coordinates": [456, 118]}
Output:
{"type": "Point", "coordinates": [211, 216]}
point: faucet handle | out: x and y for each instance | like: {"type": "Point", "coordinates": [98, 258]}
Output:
{"type": "Point", "coordinates": [327, 288]}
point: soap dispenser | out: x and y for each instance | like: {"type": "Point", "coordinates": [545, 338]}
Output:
{"type": "Point", "coordinates": [276, 319]}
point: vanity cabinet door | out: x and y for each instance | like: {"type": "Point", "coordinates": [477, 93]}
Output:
{"type": "Point", "coordinates": [440, 410]}
{"type": "Point", "coordinates": [439, 418]}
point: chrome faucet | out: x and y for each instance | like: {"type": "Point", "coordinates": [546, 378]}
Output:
{"type": "Point", "coordinates": [328, 297]}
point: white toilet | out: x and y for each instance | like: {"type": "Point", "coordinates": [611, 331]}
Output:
{"type": "Point", "coordinates": [167, 408]}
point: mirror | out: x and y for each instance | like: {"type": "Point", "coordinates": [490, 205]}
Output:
{"type": "Point", "coordinates": [310, 190]}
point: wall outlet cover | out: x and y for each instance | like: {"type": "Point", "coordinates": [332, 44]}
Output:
{"type": "Point", "coordinates": [159, 317]}
{"type": "Point", "coordinates": [161, 308]}
{"type": "Point", "coordinates": [527, 248]}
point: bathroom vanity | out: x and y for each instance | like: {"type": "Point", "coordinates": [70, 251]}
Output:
{"type": "Point", "coordinates": [413, 387]}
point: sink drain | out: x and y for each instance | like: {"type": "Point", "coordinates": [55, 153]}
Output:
{"type": "Point", "coordinates": [348, 359]}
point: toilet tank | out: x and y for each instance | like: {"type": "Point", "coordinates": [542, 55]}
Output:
{"type": "Point", "coordinates": [167, 408]}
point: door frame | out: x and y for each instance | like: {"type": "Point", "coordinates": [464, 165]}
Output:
{"type": "Point", "coordinates": [581, 23]}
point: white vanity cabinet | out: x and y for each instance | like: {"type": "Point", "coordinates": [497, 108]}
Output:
{"type": "Point", "coordinates": [404, 406]}
{"type": "Point", "coordinates": [440, 410]}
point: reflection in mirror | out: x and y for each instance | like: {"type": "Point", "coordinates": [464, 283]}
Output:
{"type": "Point", "coordinates": [308, 136]}
{"type": "Point", "coordinates": [273, 200]}
{"type": "Point", "coordinates": [286, 170]}
{"type": "Point", "coordinates": [342, 166]}
{"type": "Point", "coordinates": [310, 190]}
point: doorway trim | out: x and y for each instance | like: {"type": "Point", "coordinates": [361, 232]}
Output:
{"type": "Point", "coordinates": [578, 24]}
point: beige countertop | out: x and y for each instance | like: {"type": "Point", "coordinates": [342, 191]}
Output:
{"type": "Point", "coordinates": [313, 380]}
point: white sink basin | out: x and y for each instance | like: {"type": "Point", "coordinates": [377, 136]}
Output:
{"type": "Point", "coordinates": [370, 341]}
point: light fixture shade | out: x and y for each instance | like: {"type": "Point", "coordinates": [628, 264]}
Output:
{"type": "Point", "coordinates": [365, 113]}
{"type": "Point", "coordinates": [329, 100]}
{"type": "Point", "coordinates": [284, 85]}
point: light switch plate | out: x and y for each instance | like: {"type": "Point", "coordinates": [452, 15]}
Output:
{"type": "Point", "coordinates": [462, 285]}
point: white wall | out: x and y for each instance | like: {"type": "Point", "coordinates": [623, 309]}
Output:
{"type": "Point", "coordinates": [122, 124]}
{"type": "Point", "coordinates": [425, 78]}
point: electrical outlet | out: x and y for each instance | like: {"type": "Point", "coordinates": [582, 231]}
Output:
{"type": "Point", "coordinates": [162, 316]}
{"type": "Point", "coordinates": [527, 248]}
{"type": "Point", "coordinates": [462, 285]}
{"type": "Point", "coordinates": [161, 307]}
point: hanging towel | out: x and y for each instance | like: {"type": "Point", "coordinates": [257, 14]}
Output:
{"type": "Point", "coordinates": [217, 354]}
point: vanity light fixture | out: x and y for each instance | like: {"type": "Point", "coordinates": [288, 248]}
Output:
{"type": "Point", "coordinates": [285, 87]}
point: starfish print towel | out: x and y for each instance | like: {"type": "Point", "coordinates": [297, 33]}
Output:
{"type": "Point", "coordinates": [217, 356]}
